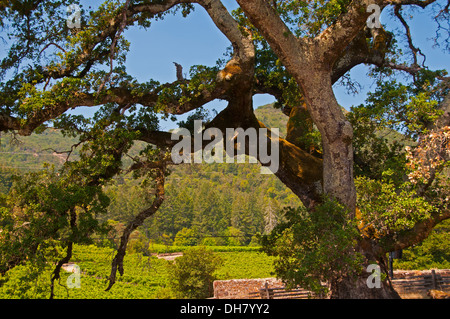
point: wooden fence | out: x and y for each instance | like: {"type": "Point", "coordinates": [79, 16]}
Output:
{"type": "Point", "coordinates": [415, 286]}
{"type": "Point", "coordinates": [280, 293]}
{"type": "Point", "coordinates": [421, 284]}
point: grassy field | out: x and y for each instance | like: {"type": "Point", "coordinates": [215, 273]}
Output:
{"type": "Point", "coordinates": [143, 275]}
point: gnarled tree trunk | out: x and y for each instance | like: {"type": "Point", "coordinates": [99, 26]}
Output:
{"type": "Point", "coordinates": [310, 62]}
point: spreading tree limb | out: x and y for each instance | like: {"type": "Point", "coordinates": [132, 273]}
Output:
{"type": "Point", "coordinates": [117, 263]}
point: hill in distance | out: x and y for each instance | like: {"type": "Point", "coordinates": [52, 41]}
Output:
{"type": "Point", "coordinates": [25, 153]}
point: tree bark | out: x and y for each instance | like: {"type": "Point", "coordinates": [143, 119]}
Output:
{"type": "Point", "coordinates": [337, 134]}
{"type": "Point", "coordinates": [356, 288]}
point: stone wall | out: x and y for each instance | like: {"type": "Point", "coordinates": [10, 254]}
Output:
{"type": "Point", "coordinates": [240, 288]}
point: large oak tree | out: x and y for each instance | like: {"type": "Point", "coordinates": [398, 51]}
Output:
{"type": "Point", "coordinates": [293, 50]}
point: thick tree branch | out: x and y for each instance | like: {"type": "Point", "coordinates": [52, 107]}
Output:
{"type": "Point", "coordinates": [422, 4]}
{"type": "Point", "coordinates": [359, 51]}
{"type": "Point", "coordinates": [158, 138]}
{"type": "Point", "coordinates": [119, 95]}
{"type": "Point", "coordinates": [65, 259]}
{"type": "Point", "coordinates": [242, 44]}
{"type": "Point", "coordinates": [417, 234]}
{"type": "Point", "coordinates": [334, 39]}
{"type": "Point", "coordinates": [282, 41]}
{"type": "Point", "coordinates": [8, 123]}
{"type": "Point", "coordinates": [117, 263]}
{"type": "Point", "coordinates": [57, 271]}
{"type": "Point", "coordinates": [298, 170]}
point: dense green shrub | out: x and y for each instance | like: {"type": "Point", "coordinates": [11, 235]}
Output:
{"type": "Point", "coordinates": [192, 275]}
